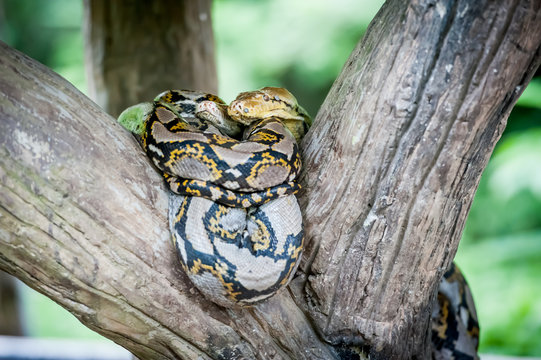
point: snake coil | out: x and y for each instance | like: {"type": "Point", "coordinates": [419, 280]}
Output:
{"type": "Point", "coordinates": [235, 220]}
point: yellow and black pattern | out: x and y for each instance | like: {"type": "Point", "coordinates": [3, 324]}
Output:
{"type": "Point", "coordinates": [227, 197]}
{"type": "Point", "coordinates": [455, 329]}
{"type": "Point", "coordinates": [269, 155]}
{"type": "Point", "coordinates": [237, 256]}
{"type": "Point", "coordinates": [236, 223]}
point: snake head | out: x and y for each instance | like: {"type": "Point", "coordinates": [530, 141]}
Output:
{"type": "Point", "coordinates": [216, 113]}
{"type": "Point", "coordinates": [270, 102]}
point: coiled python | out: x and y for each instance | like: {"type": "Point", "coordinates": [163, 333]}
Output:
{"type": "Point", "coordinates": [235, 221]}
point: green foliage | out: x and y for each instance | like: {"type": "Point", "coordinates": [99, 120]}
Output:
{"type": "Point", "coordinates": [508, 199]}
{"type": "Point", "coordinates": [503, 273]}
{"type": "Point", "coordinates": [48, 31]}
{"type": "Point", "coordinates": [302, 45]}
{"type": "Point", "coordinates": [500, 253]}
{"type": "Point", "coordinates": [45, 318]}
{"type": "Point", "coordinates": [531, 97]}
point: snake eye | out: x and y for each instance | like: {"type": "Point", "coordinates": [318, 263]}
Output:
{"type": "Point", "coordinates": [266, 97]}
{"type": "Point", "coordinates": [245, 110]}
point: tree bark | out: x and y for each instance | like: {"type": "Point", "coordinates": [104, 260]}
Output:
{"type": "Point", "coordinates": [391, 165]}
{"type": "Point", "coordinates": [409, 125]}
{"type": "Point", "coordinates": [137, 49]}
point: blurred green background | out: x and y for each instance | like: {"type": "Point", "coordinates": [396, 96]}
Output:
{"type": "Point", "coordinates": [302, 45]}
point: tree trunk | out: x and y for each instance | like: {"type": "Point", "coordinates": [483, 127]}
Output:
{"type": "Point", "coordinates": [137, 49]}
{"type": "Point", "coordinates": [10, 313]}
{"type": "Point", "coordinates": [391, 165]}
{"type": "Point", "coordinates": [409, 125]}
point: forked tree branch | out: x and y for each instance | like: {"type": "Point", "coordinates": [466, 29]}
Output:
{"type": "Point", "coordinates": [392, 162]}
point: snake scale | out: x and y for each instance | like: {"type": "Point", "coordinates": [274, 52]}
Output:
{"type": "Point", "coordinates": [233, 214]}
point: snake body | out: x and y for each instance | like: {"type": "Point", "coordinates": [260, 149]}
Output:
{"type": "Point", "coordinates": [235, 220]}
{"type": "Point", "coordinates": [455, 329]}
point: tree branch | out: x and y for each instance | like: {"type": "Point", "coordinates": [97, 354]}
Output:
{"type": "Point", "coordinates": [409, 125]}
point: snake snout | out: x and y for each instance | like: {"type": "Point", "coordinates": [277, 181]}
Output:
{"type": "Point", "coordinates": [238, 111]}
{"type": "Point", "coordinates": [235, 108]}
